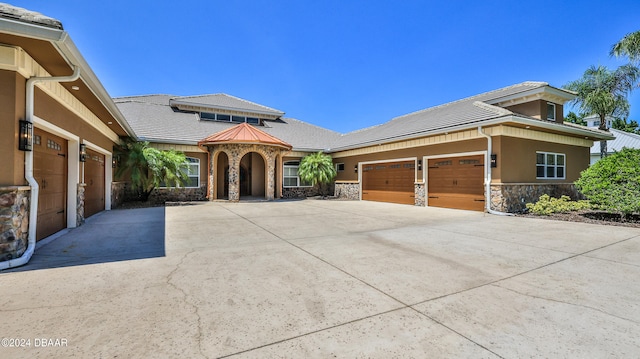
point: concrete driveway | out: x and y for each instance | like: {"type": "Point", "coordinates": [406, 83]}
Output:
{"type": "Point", "coordinates": [326, 279]}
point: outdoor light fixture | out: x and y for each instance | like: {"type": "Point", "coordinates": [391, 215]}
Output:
{"type": "Point", "coordinates": [114, 161]}
{"type": "Point", "coordinates": [83, 152]}
{"type": "Point", "coordinates": [356, 168]}
{"type": "Point", "coordinates": [25, 142]}
{"type": "Point", "coordinates": [494, 161]}
{"type": "Point", "coordinates": [419, 165]}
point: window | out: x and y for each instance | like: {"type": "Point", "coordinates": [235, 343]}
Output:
{"type": "Point", "coordinates": [551, 111]}
{"type": "Point", "coordinates": [550, 165]}
{"type": "Point", "coordinates": [209, 116]}
{"type": "Point", "coordinates": [290, 175]}
{"type": "Point", "coordinates": [193, 174]}
{"type": "Point", "coordinates": [339, 167]}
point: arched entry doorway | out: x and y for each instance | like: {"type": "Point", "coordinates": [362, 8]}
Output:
{"type": "Point", "coordinates": [243, 163]}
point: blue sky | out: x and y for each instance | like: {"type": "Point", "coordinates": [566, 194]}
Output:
{"type": "Point", "coordinates": [343, 65]}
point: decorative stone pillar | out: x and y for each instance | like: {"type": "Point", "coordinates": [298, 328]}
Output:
{"type": "Point", "coordinates": [14, 221]}
{"type": "Point", "coordinates": [234, 178]}
{"type": "Point", "coordinates": [211, 177]}
{"type": "Point", "coordinates": [419, 193]}
{"type": "Point", "coordinates": [80, 205]}
{"type": "Point", "coordinates": [270, 190]}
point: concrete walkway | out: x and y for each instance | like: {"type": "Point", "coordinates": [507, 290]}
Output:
{"type": "Point", "coordinates": [327, 279]}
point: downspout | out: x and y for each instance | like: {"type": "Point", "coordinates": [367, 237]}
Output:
{"type": "Point", "coordinates": [28, 169]}
{"type": "Point", "coordinates": [487, 180]}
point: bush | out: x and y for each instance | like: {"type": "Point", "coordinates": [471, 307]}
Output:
{"type": "Point", "coordinates": [547, 205]}
{"type": "Point", "coordinates": [613, 183]}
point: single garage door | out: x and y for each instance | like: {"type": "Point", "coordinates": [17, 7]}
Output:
{"type": "Point", "coordinates": [456, 182]}
{"type": "Point", "coordinates": [94, 180]}
{"type": "Point", "coordinates": [389, 182]}
{"type": "Point", "coordinates": [50, 171]}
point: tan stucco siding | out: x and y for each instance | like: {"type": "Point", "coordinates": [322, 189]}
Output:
{"type": "Point", "coordinates": [53, 112]}
{"type": "Point", "coordinates": [453, 148]}
{"type": "Point", "coordinates": [517, 160]}
{"type": "Point", "coordinates": [12, 100]}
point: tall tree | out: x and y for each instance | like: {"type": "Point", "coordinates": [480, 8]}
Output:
{"type": "Point", "coordinates": [317, 169]}
{"type": "Point", "coordinates": [628, 46]}
{"type": "Point", "coordinates": [604, 92]}
{"type": "Point", "coordinates": [573, 118]}
{"type": "Point", "coordinates": [626, 125]}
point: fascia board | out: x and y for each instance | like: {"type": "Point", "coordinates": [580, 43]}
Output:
{"type": "Point", "coordinates": [555, 92]}
{"type": "Point", "coordinates": [228, 108]}
{"type": "Point", "coordinates": [19, 28]}
{"type": "Point", "coordinates": [483, 123]}
{"type": "Point", "coordinates": [67, 47]}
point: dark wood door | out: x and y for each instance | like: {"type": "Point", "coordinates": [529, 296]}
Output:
{"type": "Point", "coordinates": [94, 183]}
{"type": "Point", "coordinates": [389, 182]}
{"type": "Point", "coordinates": [456, 182]}
{"type": "Point", "coordinates": [50, 171]}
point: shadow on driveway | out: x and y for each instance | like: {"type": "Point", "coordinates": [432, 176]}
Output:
{"type": "Point", "coordinates": [109, 236]}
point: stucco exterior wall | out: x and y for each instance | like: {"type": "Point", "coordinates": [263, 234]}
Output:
{"type": "Point", "coordinates": [12, 104]}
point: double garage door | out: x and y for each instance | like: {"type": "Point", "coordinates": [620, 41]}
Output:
{"type": "Point", "coordinates": [453, 182]}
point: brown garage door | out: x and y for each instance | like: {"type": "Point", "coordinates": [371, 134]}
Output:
{"type": "Point", "coordinates": [50, 171]}
{"type": "Point", "coordinates": [389, 182]}
{"type": "Point", "coordinates": [456, 182]}
{"type": "Point", "coordinates": [94, 180]}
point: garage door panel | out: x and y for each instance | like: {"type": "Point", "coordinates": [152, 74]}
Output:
{"type": "Point", "coordinates": [456, 182]}
{"type": "Point", "coordinates": [389, 182]}
{"type": "Point", "coordinates": [50, 171]}
{"type": "Point", "coordinates": [94, 179]}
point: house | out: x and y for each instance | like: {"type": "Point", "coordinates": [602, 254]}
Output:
{"type": "Point", "coordinates": [495, 151]}
{"type": "Point", "coordinates": [58, 128]}
{"type": "Point", "coordinates": [440, 156]}
{"type": "Point", "coordinates": [622, 139]}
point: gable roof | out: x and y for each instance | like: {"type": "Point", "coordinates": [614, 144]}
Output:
{"type": "Point", "coordinates": [623, 139]}
{"type": "Point", "coordinates": [243, 133]}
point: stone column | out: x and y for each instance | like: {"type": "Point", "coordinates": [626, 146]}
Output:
{"type": "Point", "coordinates": [234, 179]}
{"type": "Point", "coordinates": [278, 171]}
{"type": "Point", "coordinates": [211, 177]}
{"type": "Point", "coordinates": [269, 191]}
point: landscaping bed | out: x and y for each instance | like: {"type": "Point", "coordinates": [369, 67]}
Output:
{"type": "Point", "coordinates": [593, 217]}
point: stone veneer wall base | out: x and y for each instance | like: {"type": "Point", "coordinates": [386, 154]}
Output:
{"type": "Point", "coordinates": [347, 190]}
{"type": "Point", "coordinates": [513, 198]}
{"type": "Point", "coordinates": [14, 221]}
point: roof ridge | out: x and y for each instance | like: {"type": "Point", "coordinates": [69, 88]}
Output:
{"type": "Point", "coordinates": [526, 83]}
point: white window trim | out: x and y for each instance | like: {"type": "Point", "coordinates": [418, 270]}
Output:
{"type": "Point", "coordinates": [298, 181]}
{"type": "Point", "coordinates": [554, 111]}
{"type": "Point", "coordinates": [564, 166]}
{"type": "Point", "coordinates": [188, 164]}
{"type": "Point", "coordinates": [343, 167]}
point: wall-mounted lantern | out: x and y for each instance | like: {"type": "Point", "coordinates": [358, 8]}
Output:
{"type": "Point", "coordinates": [83, 152]}
{"type": "Point", "coordinates": [114, 161]}
{"type": "Point", "coordinates": [356, 168]}
{"type": "Point", "coordinates": [25, 140]}
{"type": "Point", "coordinates": [419, 165]}
{"type": "Point", "coordinates": [494, 161]}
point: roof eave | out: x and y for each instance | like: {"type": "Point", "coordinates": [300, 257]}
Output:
{"type": "Point", "coordinates": [228, 108]}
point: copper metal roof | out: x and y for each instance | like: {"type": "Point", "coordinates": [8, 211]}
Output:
{"type": "Point", "coordinates": [244, 133]}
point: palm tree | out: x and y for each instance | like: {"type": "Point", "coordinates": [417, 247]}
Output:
{"type": "Point", "coordinates": [604, 92]}
{"type": "Point", "coordinates": [148, 168]}
{"type": "Point", "coordinates": [628, 46]}
{"type": "Point", "coordinates": [317, 168]}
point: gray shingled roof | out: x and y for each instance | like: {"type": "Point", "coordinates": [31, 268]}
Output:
{"type": "Point", "coordinates": [8, 11]}
{"type": "Point", "coordinates": [153, 119]}
{"type": "Point", "coordinates": [623, 139]}
{"type": "Point", "coordinates": [465, 111]}
{"type": "Point", "coordinates": [221, 100]}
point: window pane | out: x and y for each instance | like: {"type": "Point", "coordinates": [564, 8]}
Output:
{"type": "Point", "coordinates": [551, 111]}
{"type": "Point", "coordinates": [193, 170]}
{"type": "Point", "coordinates": [560, 172]}
{"type": "Point", "coordinates": [207, 116]}
{"type": "Point", "coordinates": [253, 120]}
{"type": "Point", "coordinates": [560, 160]}
{"type": "Point", "coordinates": [237, 119]}
{"type": "Point", "coordinates": [290, 182]}
{"type": "Point", "coordinates": [540, 158]}
{"type": "Point", "coordinates": [551, 159]}
{"type": "Point", "coordinates": [551, 172]}
{"type": "Point", "coordinates": [540, 171]}
{"type": "Point", "coordinates": [223, 117]}
{"type": "Point", "coordinates": [193, 182]}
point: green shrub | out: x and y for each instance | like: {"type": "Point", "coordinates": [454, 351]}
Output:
{"type": "Point", "coordinates": [547, 205]}
{"type": "Point", "coordinates": [613, 183]}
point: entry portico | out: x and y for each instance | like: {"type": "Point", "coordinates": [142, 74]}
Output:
{"type": "Point", "coordinates": [244, 160]}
